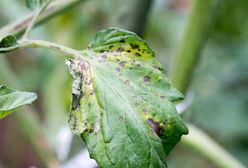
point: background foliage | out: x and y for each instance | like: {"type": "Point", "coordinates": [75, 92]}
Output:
{"type": "Point", "coordinates": [219, 86]}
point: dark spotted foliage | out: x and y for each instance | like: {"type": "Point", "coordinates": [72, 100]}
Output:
{"type": "Point", "coordinates": [126, 115]}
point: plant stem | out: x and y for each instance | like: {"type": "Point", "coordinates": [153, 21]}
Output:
{"type": "Point", "coordinates": [197, 139]}
{"type": "Point", "coordinates": [46, 44]}
{"type": "Point", "coordinates": [35, 17]}
{"type": "Point", "coordinates": [195, 35]}
{"type": "Point", "coordinates": [202, 16]}
{"type": "Point", "coordinates": [136, 16]}
{"type": "Point", "coordinates": [18, 27]}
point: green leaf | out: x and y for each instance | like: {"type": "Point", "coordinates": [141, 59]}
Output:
{"type": "Point", "coordinates": [8, 43]}
{"type": "Point", "coordinates": [11, 99]}
{"type": "Point", "coordinates": [122, 103]}
{"type": "Point", "coordinates": [36, 4]}
{"type": "Point", "coordinates": [33, 4]}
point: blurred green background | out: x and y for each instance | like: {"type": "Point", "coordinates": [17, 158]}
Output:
{"type": "Point", "coordinates": [219, 85]}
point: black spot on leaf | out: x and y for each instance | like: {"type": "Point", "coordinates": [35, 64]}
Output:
{"type": "Point", "coordinates": [122, 41]}
{"type": "Point", "coordinates": [154, 125]}
{"type": "Point", "coordinates": [134, 46]}
{"type": "Point", "coordinates": [104, 56]}
{"type": "Point", "coordinates": [147, 78]}
{"type": "Point", "coordinates": [145, 111]}
{"type": "Point", "coordinates": [122, 63]}
{"type": "Point", "coordinates": [91, 92]}
{"type": "Point", "coordinates": [121, 118]}
{"type": "Point", "coordinates": [137, 54]}
{"type": "Point", "coordinates": [120, 49]}
{"type": "Point", "coordinates": [75, 101]}
{"type": "Point", "coordinates": [127, 82]}
{"type": "Point", "coordinates": [158, 68]}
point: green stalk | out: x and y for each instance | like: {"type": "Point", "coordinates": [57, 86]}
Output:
{"type": "Point", "coordinates": [35, 17]}
{"type": "Point", "coordinates": [136, 16]}
{"type": "Point", "coordinates": [200, 141]}
{"type": "Point", "coordinates": [18, 27]}
{"type": "Point", "coordinates": [201, 18]}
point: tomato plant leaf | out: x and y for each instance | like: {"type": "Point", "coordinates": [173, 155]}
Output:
{"type": "Point", "coordinates": [36, 4]}
{"type": "Point", "coordinates": [11, 99]}
{"type": "Point", "coordinates": [8, 43]}
{"type": "Point", "coordinates": [33, 4]}
{"type": "Point", "coordinates": [122, 103]}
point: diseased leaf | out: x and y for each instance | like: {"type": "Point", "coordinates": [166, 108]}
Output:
{"type": "Point", "coordinates": [8, 43]}
{"type": "Point", "coordinates": [11, 99]}
{"type": "Point", "coordinates": [122, 103]}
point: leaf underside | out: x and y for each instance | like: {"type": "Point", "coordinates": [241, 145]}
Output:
{"type": "Point", "coordinates": [8, 44]}
{"type": "Point", "coordinates": [11, 99]}
{"type": "Point", "coordinates": [122, 103]}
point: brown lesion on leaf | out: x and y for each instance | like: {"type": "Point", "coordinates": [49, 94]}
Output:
{"type": "Point", "coordinates": [104, 56]}
{"type": "Point", "coordinates": [121, 118]}
{"type": "Point", "coordinates": [75, 104]}
{"type": "Point", "coordinates": [122, 63]}
{"type": "Point", "coordinates": [127, 82]}
{"type": "Point", "coordinates": [120, 49]}
{"type": "Point", "coordinates": [158, 68]}
{"type": "Point", "coordinates": [147, 79]}
{"type": "Point", "coordinates": [145, 111]}
{"type": "Point", "coordinates": [117, 69]}
{"type": "Point", "coordinates": [134, 46]}
{"type": "Point", "coordinates": [81, 87]}
{"type": "Point", "coordinates": [154, 125]}
{"type": "Point", "coordinates": [122, 41]}
{"type": "Point", "coordinates": [111, 46]}
{"type": "Point", "coordinates": [137, 54]}
{"type": "Point", "coordinates": [91, 92]}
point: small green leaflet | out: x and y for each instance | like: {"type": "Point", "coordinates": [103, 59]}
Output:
{"type": "Point", "coordinates": [33, 4]}
{"type": "Point", "coordinates": [122, 103]}
{"type": "Point", "coordinates": [8, 43]}
{"type": "Point", "coordinates": [11, 99]}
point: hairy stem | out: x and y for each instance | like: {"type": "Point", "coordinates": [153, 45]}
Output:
{"type": "Point", "coordinates": [46, 44]}
{"type": "Point", "coordinates": [18, 27]}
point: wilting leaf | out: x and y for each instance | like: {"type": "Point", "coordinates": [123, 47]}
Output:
{"type": "Point", "coordinates": [8, 44]}
{"type": "Point", "coordinates": [11, 99]}
{"type": "Point", "coordinates": [122, 103]}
